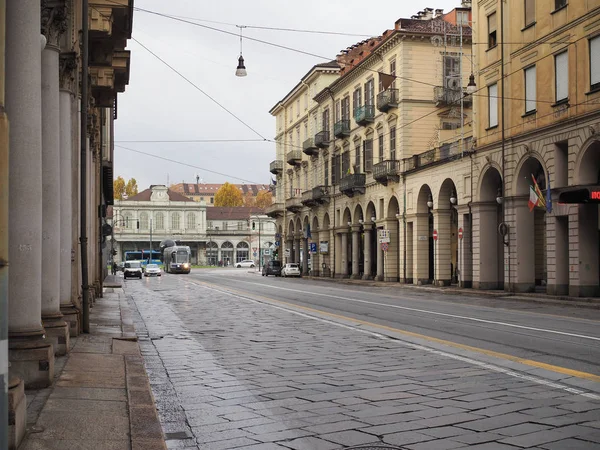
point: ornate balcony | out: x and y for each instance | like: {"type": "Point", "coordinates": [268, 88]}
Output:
{"type": "Point", "coordinates": [307, 198]}
{"type": "Point", "coordinates": [294, 204]}
{"type": "Point", "coordinates": [353, 184]}
{"type": "Point", "coordinates": [341, 128]}
{"type": "Point", "coordinates": [320, 194]}
{"type": "Point", "coordinates": [275, 210]}
{"type": "Point", "coordinates": [276, 167]}
{"type": "Point", "coordinates": [387, 100]}
{"type": "Point", "coordinates": [294, 157]}
{"type": "Point", "coordinates": [386, 171]}
{"type": "Point", "coordinates": [322, 139]}
{"type": "Point", "coordinates": [365, 114]}
{"type": "Point", "coordinates": [443, 96]}
{"type": "Point", "coordinates": [309, 147]}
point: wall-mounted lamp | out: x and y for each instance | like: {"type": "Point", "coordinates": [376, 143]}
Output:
{"type": "Point", "coordinates": [43, 41]}
{"type": "Point", "coordinates": [361, 221]}
{"type": "Point", "coordinates": [398, 216]}
{"type": "Point", "coordinates": [349, 224]}
{"type": "Point", "coordinates": [241, 68]}
{"type": "Point", "coordinates": [373, 219]}
{"type": "Point", "coordinates": [471, 87]}
{"type": "Point", "coordinates": [430, 202]}
{"type": "Point", "coordinates": [453, 198]}
{"type": "Point", "coordinates": [499, 198]}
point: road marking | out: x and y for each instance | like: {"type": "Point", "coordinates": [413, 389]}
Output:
{"type": "Point", "coordinates": [455, 316]}
{"type": "Point", "coordinates": [527, 362]}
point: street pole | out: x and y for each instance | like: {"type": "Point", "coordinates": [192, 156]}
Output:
{"type": "Point", "coordinates": [150, 257]}
{"type": "Point", "coordinates": [259, 245]}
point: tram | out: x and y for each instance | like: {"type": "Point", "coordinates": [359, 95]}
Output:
{"type": "Point", "coordinates": [176, 258]}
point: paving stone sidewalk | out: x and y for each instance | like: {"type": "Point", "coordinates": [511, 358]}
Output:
{"type": "Point", "coordinates": [231, 373]}
{"type": "Point", "coordinates": [101, 398]}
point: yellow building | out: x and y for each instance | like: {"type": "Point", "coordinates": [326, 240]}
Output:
{"type": "Point", "coordinates": [537, 116]}
{"type": "Point", "coordinates": [397, 112]}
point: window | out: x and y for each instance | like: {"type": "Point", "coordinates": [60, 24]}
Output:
{"type": "Point", "coordinates": [175, 223]}
{"type": "Point", "coordinates": [305, 130]}
{"type": "Point", "coordinates": [212, 200]}
{"type": "Point", "coordinates": [380, 142]}
{"type": "Point", "coordinates": [559, 4]}
{"type": "Point", "coordinates": [326, 120]}
{"type": "Point", "coordinates": [530, 89]}
{"type": "Point", "coordinates": [191, 221]}
{"type": "Point", "coordinates": [241, 226]}
{"type": "Point", "coordinates": [306, 178]}
{"type": "Point", "coordinates": [451, 66]}
{"type": "Point", "coordinates": [393, 73]}
{"type": "Point", "coordinates": [369, 92]}
{"type": "Point", "coordinates": [305, 101]}
{"type": "Point", "coordinates": [356, 100]}
{"type": "Point", "coordinates": [326, 172]}
{"type": "Point", "coordinates": [346, 160]}
{"type": "Point", "coordinates": [368, 155]}
{"type": "Point", "coordinates": [298, 142]}
{"type": "Point", "coordinates": [335, 161]}
{"type": "Point", "coordinates": [595, 63]}
{"type": "Point", "coordinates": [357, 156]}
{"type": "Point", "coordinates": [493, 105]}
{"type": "Point", "coordinates": [561, 76]}
{"type": "Point", "coordinates": [297, 107]}
{"type": "Point", "coordinates": [529, 12]}
{"type": "Point", "coordinates": [492, 40]}
{"type": "Point", "coordinates": [338, 111]}
{"type": "Point", "coordinates": [346, 108]}
{"type": "Point", "coordinates": [462, 18]}
{"type": "Point", "coordinates": [144, 221]}
{"type": "Point", "coordinates": [160, 221]}
{"type": "Point", "coordinates": [393, 143]}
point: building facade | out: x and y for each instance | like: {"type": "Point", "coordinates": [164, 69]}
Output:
{"type": "Point", "coordinates": [205, 192]}
{"type": "Point", "coordinates": [216, 235]}
{"type": "Point", "coordinates": [56, 193]}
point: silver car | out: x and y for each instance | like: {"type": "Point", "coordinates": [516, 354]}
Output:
{"type": "Point", "coordinates": [245, 263]}
{"type": "Point", "coordinates": [152, 270]}
{"type": "Point", "coordinates": [291, 270]}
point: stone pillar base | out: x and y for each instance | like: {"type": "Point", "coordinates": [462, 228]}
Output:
{"type": "Point", "coordinates": [57, 334]}
{"type": "Point", "coordinates": [379, 278]}
{"type": "Point", "coordinates": [367, 277]}
{"type": "Point", "coordinates": [356, 276]}
{"type": "Point", "coordinates": [32, 358]}
{"type": "Point", "coordinates": [17, 412]}
{"type": "Point", "coordinates": [390, 279]}
{"type": "Point", "coordinates": [71, 316]}
{"type": "Point", "coordinates": [466, 284]}
{"type": "Point", "coordinates": [423, 282]}
{"type": "Point", "coordinates": [314, 273]}
{"type": "Point", "coordinates": [442, 283]}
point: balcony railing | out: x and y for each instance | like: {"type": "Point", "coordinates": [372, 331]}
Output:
{"type": "Point", "coordinates": [353, 184]}
{"type": "Point", "coordinates": [386, 171]}
{"type": "Point", "coordinates": [320, 194]}
{"type": "Point", "coordinates": [294, 157]}
{"type": "Point", "coordinates": [276, 167]}
{"type": "Point", "coordinates": [444, 96]}
{"type": "Point", "coordinates": [341, 128]}
{"type": "Point", "coordinates": [309, 147]}
{"type": "Point", "coordinates": [447, 152]}
{"type": "Point", "coordinates": [322, 139]}
{"type": "Point", "coordinates": [365, 114]}
{"type": "Point", "coordinates": [387, 100]}
{"type": "Point", "coordinates": [275, 210]}
{"type": "Point", "coordinates": [307, 198]}
{"type": "Point", "coordinates": [294, 204]}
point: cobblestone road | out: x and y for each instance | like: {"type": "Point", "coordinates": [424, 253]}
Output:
{"type": "Point", "coordinates": [231, 372]}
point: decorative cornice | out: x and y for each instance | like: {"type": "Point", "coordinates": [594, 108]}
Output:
{"type": "Point", "coordinates": [54, 20]}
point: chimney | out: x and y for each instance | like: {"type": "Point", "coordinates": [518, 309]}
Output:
{"type": "Point", "coordinates": [466, 3]}
{"type": "Point", "coordinates": [439, 12]}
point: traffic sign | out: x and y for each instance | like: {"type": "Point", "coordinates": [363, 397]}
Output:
{"type": "Point", "coordinates": [254, 253]}
{"type": "Point", "coordinates": [277, 243]}
{"type": "Point", "coordinates": [287, 252]}
{"type": "Point", "coordinates": [277, 235]}
{"type": "Point", "coordinates": [384, 246]}
{"type": "Point", "coordinates": [460, 233]}
{"type": "Point", "coordinates": [313, 247]}
{"type": "Point", "coordinates": [435, 235]}
{"type": "Point", "coordinates": [254, 249]}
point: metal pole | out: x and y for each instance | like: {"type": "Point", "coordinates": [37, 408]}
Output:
{"type": "Point", "coordinates": [3, 244]}
{"type": "Point", "coordinates": [462, 97]}
{"type": "Point", "coordinates": [259, 245]}
{"type": "Point", "coordinates": [150, 257]}
{"type": "Point", "coordinates": [83, 169]}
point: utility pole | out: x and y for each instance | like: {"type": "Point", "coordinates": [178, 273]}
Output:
{"type": "Point", "coordinates": [258, 244]}
{"type": "Point", "coordinates": [150, 257]}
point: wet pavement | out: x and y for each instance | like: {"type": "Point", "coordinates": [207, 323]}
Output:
{"type": "Point", "coordinates": [234, 370]}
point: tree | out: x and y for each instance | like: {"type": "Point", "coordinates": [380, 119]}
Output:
{"type": "Point", "coordinates": [131, 188]}
{"type": "Point", "coordinates": [249, 199]}
{"type": "Point", "coordinates": [264, 199]}
{"type": "Point", "coordinates": [119, 188]}
{"type": "Point", "coordinates": [229, 195]}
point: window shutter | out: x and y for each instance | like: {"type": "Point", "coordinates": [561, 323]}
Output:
{"type": "Point", "coordinates": [493, 105]}
{"type": "Point", "coordinates": [529, 12]}
{"type": "Point", "coordinates": [530, 89]}
{"type": "Point", "coordinates": [561, 69]}
{"type": "Point", "coordinates": [595, 62]}
{"type": "Point", "coordinates": [492, 22]}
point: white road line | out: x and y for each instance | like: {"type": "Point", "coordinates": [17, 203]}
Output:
{"type": "Point", "coordinates": [484, 365]}
{"type": "Point", "coordinates": [454, 316]}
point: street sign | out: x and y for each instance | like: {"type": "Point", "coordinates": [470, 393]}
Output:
{"type": "Point", "coordinates": [277, 243]}
{"type": "Point", "coordinates": [384, 236]}
{"type": "Point", "coordinates": [435, 235]}
{"type": "Point", "coordinates": [384, 246]}
{"type": "Point", "coordinates": [313, 247]}
{"type": "Point", "coordinates": [287, 252]}
{"type": "Point", "coordinates": [266, 252]}
{"type": "Point", "coordinates": [460, 233]}
{"type": "Point", "coordinates": [254, 253]}
{"type": "Point", "coordinates": [277, 235]}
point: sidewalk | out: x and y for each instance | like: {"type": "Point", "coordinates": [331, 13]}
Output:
{"type": "Point", "coordinates": [101, 398]}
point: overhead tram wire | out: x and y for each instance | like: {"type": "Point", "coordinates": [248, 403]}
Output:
{"type": "Point", "coordinates": [190, 141]}
{"type": "Point", "coordinates": [187, 164]}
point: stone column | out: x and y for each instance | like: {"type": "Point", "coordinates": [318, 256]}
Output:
{"type": "Point", "coordinates": [30, 354]}
{"type": "Point", "coordinates": [68, 65]}
{"type": "Point", "coordinates": [525, 246]}
{"type": "Point", "coordinates": [337, 255]}
{"type": "Point", "coordinates": [368, 227]}
{"type": "Point", "coordinates": [57, 331]}
{"type": "Point", "coordinates": [344, 252]}
{"type": "Point", "coordinates": [305, 256]}
{"type": "Point", "coordinates": [316, 260]}
{"type": "Point", "coordinates": [356, 252]}
{"type": "Point", "coordinates": [421, 248]}
{"type": "Point", "coordinates": [297, 243]}
{"type": "Point", "coordinates": [390, 271]}
{"type": "Point", "coordinates": [380, 259]}
{"type": "Point", "coordinates": [443, 247]}
{"type": "Point", "coordinates": [487, 262]}
{"type": "Point", "coordinates": [465, 252]}
{"type": "Point", "coordinates": [289, 244]}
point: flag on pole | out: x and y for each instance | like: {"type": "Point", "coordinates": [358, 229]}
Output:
{"type": "Point", "coordinates": [548, 196]}
{"type": "Point", "coordinates": [535, 196]}
{"type": "Point", "coordinates": [538, 192]}
{"type": "Point", "coordinates": [386, 80]}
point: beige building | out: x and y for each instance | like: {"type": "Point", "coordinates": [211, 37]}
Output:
{"type": "Point", "coordinates": [205, 192]}
{"type": "Point", "coordinates": [397, 109]}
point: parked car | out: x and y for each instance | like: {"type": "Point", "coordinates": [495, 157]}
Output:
{"type": "Point", "coordinates": [120, 266]}
{"type": "Point", "coordinates": [152, 270]}
{"type": "Point", "coordinates": [272, 268]}
{"type": "Point", "coordinates": [245, 263]}
{"type": "Point", "coordinates": [291, 270]}
{"type": "Point", "coordinates": [133, 269]}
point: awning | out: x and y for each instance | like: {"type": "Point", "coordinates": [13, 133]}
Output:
{"type": "Point", "coordinates": [580, 194]}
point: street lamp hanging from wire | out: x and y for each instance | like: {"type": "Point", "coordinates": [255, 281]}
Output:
{"type": "Point", "coordinates": [241, 68]}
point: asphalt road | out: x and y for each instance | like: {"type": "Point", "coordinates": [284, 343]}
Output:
{"type": "Point", "coordinates": [564, 337]}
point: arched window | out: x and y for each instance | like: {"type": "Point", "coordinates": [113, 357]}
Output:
{"type": "Point", "coordinates": [160, 221]}
{"type": "Point", "coordinates": [128, 220]}
{"type": "Point", "coordinates": [227, 253]}
{"type": "Point", "coordinates": [175, 222]}
{"type": "Point", "coordinates": [242, 251]}
{"type": "Point", "coordinates": [143, 221]}
{"type": "Point", "coordinates": [191, 221]}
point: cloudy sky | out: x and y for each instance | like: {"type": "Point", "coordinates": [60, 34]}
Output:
{"type": "Point", "coordinates": [160, 105]}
